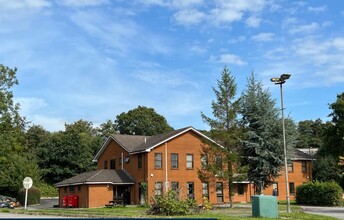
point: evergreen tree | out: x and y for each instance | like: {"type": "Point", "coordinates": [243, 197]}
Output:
{"type": "Point", "coordinates": [224, 130]}
{"type": "Point", "coordinates": [262, 148]}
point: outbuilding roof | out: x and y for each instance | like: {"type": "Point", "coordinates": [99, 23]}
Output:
{"type": "Point", "coordinates": [104, 176]}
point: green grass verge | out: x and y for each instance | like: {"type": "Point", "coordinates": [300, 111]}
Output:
{"type": "Point", "coordinates": [237, 213]}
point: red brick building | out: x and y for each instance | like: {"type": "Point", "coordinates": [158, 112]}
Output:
{"type": "Point", "coordinates": [126, 164]}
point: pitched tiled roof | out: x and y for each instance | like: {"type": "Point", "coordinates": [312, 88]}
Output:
{"type": "Point", "coordinates": [152, 141]}
{"type": "Point", "coordinates": [135, 143]}
{"type": "Point", "coordinates": [299, 155]}
{"type": "Point", "coordinates": [99, 177]}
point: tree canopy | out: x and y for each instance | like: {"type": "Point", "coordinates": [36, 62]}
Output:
{"type": "Point", "coordinates": [66, 153]}
{"type": "Point", "coordinates": [311, 133]}
{"type": "Point", "coordinates": [15, 161]}
{"type": "Point", "coordinates": [141, 121]}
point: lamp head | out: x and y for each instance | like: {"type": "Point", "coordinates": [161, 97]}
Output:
{"type": "Point", "coordinates": [275, 80]}
{"type": "Point", "coordinates": [285, 76]}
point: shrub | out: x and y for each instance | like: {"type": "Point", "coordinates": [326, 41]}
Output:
{"type": "Point", "coordinates": [206, 205]}
{"type": "Point", "coordinates": [319, 193]}
{"type": "Point", "coordinates": [48, 190]}
{"type": "Point", "coordinates": [170, 204]}
{"type": "Point", "coordinates": [34, 196]}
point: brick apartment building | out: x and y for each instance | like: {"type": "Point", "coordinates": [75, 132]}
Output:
{"type": "Point", "coordinates": [126, 164]}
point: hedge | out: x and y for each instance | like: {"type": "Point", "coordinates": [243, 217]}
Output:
{"type": "Point", "coordinates": [319, 193]}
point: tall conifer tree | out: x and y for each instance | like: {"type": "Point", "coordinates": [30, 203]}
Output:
{"type": "Point", "coordinates": [262, 149]}
{"type": "Point", "coordinates": [224, 130]}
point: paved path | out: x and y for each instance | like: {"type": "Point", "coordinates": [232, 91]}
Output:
{"type": "Point", "coordinates": [23, 216]}
{"type": "Point", "coordinates": [337, 212]}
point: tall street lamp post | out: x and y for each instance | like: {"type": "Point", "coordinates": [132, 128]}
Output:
{"type": "Point", "coordinates": [280, 81]}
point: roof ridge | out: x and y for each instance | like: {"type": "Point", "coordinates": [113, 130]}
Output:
{"type": "Point", "coordinates": [96, 174]}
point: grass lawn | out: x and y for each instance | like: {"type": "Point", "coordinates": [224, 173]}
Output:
{"type": "Point", "coordinates": [239, 212]}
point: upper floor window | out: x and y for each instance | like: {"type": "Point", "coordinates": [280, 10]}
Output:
{"type": "Point", "coordinates": [113, 164]}
{"type": "Point", "coordinates": [79, 188]}
{"type": "Point", "coordinates": [71, 188]}
{"type": "Point", "coordinates": [189, 161]}
{"type": "Point", "coordinates": [139, 161]}
{"type": "Point", "coordinates": [158, 160]}
{"type": "Point", "coordinates": [174, 161]}
{"type": "Point", "coordinates": [218, 161]}
{"type": "Point", "coordinates": [304, 166]}
{"type": "Point", "coordinates": [204, 161]}
{"type": "Point", "coordinates": [290, 167]}
{"type": "Point", "coordinates": [127, 159]}
{"type": "Point", "coordinates": [105, 164]}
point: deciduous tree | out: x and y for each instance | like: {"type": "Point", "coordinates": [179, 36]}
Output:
{"type": "Point", "coordinates": [15, 162]}
{"type": "Point", "coordinates": [141, 121]}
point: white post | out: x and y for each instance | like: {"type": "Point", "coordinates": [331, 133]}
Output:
{"type": "Point", "coordinates": [26, 193]}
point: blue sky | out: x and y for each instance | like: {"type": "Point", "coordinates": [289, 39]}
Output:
{"type": "Point", "coordinates": [93, 59]}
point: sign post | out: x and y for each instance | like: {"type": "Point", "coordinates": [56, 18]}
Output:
{"type": "Point", "coordinates": [27, 183]}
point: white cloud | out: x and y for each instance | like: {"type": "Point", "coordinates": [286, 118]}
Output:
{"type": "Point", "coordinates": [338, 43]}
{"type": "Point", "coordinates": [263, 37]}
{"type": "Point", "coordinates": [82, 3]}
{"type": "Point", "coordinates": [228, 59]}
{"type": "Point", "coordinates": [30, 108]}
{"type": "Point", "coordinates": [189, 17]}
{"type": "Point", "coordinates": [318, 9]}
{"type": "Point", "coordinates": [304, 29]}
{"type": "Point", "coordinates": [120, 34]}
{"type": "Point", "coordinates": [31, 104]}
{"type": "Point", "coordinates": [186, 4]}
{"type": "Point", "coordinates": [197, 48]}
{"type": "Point", "coordinates": [253, 21]}
{"type": "Point", "coordinates": [228, 11]}
{"type": "Point", "coordinates": [162, 78]}
{"type": "Point", "coordinates": [23, 4]}
{"type": "Point", "coordinates": [19, 10]}
{"type": "Point", "coordinates": [237, 39]}
{"type": "Point", "coordinates": [49, 123]}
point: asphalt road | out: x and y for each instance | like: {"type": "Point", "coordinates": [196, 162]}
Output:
{"type": "Point", "coordinates": [337, 212]}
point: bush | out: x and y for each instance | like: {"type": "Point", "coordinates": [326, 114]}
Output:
{"type": "Point", "coordinates": [319, 193]}
{"type": "Point", "coordinates": [170, 204]}
{"type": "Point", "coordinates": [34, 196]}
{"type": "Point", "coordinates": [48, 190]}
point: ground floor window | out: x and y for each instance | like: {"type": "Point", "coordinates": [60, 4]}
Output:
{"type": "Point", "coordinates": [241, 189]}
{"type": "Point", "coordinates": [158, 189]}
{"type": "Point", "coordinates": [205, 190]}
{"type": "Point", "coordinates": [190, 190]}
{"type": "Point", "coordinates": [219, 192]}
{"type": "Point", "coordinates": [291, 188]}
{"type": "Point", "coordinates": [275, 189]}
{"type": "Point", "coordinates": [175, 187]}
